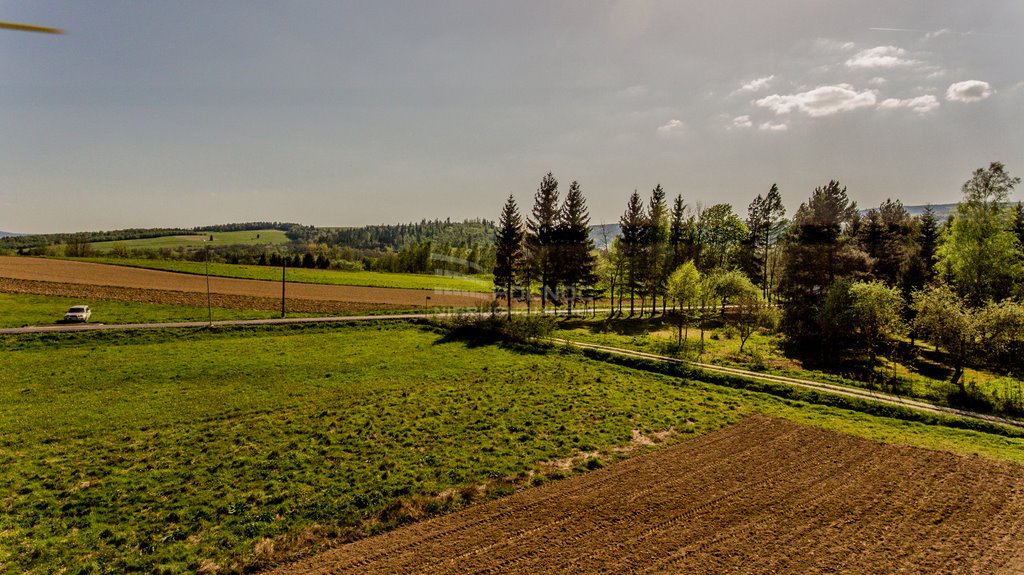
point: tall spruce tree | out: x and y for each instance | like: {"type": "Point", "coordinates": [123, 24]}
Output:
{"type": "Point", "coordinates": [509, 252]}
{"type": "Point", "coordinates": [928, 240]}
{"type": "Point", "coordinates": [633, 224]}
{"type": "Point", "coordinates": [578, 265]}
{"type": "Point", "coordinates": [542, 236]}
{"type": "Point", "coordinates": [656, 247]}
{"type": "Point", "coordinates": [677, 233]}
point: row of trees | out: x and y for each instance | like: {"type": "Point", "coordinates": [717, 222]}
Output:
{"type": "Point", "coordinates": [552, 249]}
{"type": "Point", "coordinates": [845, 281]}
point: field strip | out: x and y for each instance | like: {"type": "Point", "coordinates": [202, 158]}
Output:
{"type": "Point", "coordinates": [764, 496]}
{"type": "Point", "coordinates": [66, 273]}
{"type": "Point", "coordinates": [804, 383]}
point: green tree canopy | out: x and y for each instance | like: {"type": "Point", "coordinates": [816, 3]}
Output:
{"type": "Point", "coordinates": [981, 251]}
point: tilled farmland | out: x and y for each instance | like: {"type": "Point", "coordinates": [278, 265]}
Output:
{"type": "Point", "coordinates": [765, 496]}
{"type": "Point", "coordinates": [89, 280]}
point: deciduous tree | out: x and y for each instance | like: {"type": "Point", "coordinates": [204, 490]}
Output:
{"type": "Point", "coordinates": [981, 250]}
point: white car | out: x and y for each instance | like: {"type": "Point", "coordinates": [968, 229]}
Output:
{"type": "Point", "coordinates": [80, 313]}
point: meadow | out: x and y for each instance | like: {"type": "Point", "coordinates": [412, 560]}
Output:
{"type": "Point", "coordinates": [233, 449]}
{"type": "Point", "coordinates": [477, 284]}
{"type": "Point", "coordinates": [199, 240]}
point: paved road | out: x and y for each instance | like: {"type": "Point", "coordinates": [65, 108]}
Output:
{"type": "Point", "coordinates": [74, 327]}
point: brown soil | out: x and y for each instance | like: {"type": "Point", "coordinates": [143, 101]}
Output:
{"type": "Point", "coordinates": [765, 496]}
{"type": "Point", "coordinates": [81, 279]}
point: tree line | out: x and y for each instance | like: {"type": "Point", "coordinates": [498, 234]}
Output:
{"type": "Point", "coordinates": [846, 282]}
{"type": "Point", "coordinates": [551, 250]}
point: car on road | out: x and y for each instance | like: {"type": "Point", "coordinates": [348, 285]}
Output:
{"type": "Point", "coordinates": [80, 313]}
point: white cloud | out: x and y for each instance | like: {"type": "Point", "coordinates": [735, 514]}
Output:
{"type": "Point", "coordinates": [742, 122]}
{"type": "Point", "coordinates": [821, 101]}
{"type": "Point", "coordinates": [877, 81]}
{"type": "Point", "coordinates": [938, 33]}
{"type": "Point", "coordinates": [671, 126]}
{"type": "Point", "coordinates": [757, 85]}
{"type": "Point", "coordinates": [969, 91]}
{"type": "Point", "coordinates": [920, 104]}
{"type": "Point", "coordinates": [881, 57]}
{"type": "Point", "coordinates": [773, 126]}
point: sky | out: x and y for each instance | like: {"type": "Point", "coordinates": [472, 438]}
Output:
{"type": "Point", "coordinates": [190, 113]}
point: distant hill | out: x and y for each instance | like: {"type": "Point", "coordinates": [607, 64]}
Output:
{"type": "Point", "coordinates": [8, 234]}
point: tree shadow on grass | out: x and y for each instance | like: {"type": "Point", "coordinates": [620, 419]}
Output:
{"type": "Point", "coordinates": [522, 336]}
{"type": "Point", "coordinates": [619, 325]}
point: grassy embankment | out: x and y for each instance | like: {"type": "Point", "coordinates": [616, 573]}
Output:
{"type": "Point", "coordinates": [478, 284]}
{"type": "Point", "coordinates": [23, 310]}
{"type": "Point", "coordinates": [174, 451]}
{"type": "Point", "coordinates": [199, 240]}
{"type": "Point", "coordinates": [927, 378]}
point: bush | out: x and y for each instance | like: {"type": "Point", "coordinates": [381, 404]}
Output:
{"type": "Point", "coordinates": [483, 329]}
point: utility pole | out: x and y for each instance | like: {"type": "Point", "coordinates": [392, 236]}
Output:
{"type": "Point", "coordinates": [209, 298]}
{"type": "Point", "coordinates": [283, 265]}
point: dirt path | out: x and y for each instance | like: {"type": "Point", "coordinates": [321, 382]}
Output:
{"type": "Point", "coordinates": [765, 496]}
{"type": "Point", "coordinates": [847, 391]}
{"type": "Point", "coordinates": [20, 274]}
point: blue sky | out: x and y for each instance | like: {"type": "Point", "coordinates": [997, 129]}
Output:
{"type": "Point", "coordinates": [188, 113]}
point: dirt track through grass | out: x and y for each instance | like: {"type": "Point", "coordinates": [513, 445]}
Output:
{"type": "Point", "coordinates": [765, 496]}
{"type": "Point", "coordinates": [82, 279]}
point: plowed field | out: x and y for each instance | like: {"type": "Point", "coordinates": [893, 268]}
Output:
{"type": "Point", "coordinates": [89, 280]}
{"type": "Point", "coordinates": [765, 496]}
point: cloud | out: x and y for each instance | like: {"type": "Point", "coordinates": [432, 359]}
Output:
{"type": "Point", "coordinates": [877, 81]}
{"type": "Point", "coordinates": [742, 122]}
{"type": "Point", "coordinates": [637, 91]}
{"type": "Point", "coordinates": [920, 104]}
{"type": "Point", "coordinates": [881, 57]}
{"type": "Point", "coordinates": [894, 30]}
{"type": "Point", "coordinates": [773, 126]}
{"type": "Point", "coordinates": [821, 101]}
{"type": "Point", "coordinates": [756, 85]}
{"type": "Point", "coordinates": [938, 33]}
{"type": "Point", "coordinates": [969, 91]}
{"type": "Point", "coordinates": [671, 126]}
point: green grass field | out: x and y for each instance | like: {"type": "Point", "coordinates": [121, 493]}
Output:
{"type": "Point", "coordinates": [199, 239]}
{"type": "Point", "coordinates": [478, 284]}
{"type": "Point", "coordinates": [21, 310]}
{"type": "Point", "coordinates": [173, 451]}
{"type": "Point", "coordinates": [763, 353]}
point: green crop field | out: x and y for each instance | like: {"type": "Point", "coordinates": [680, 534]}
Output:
{"type": "Point", "coordinates": [199, 240]}
{"type": "Point", "coordinates": [478, 284]}
{"type": "Point", "coordinates": [22, 310]}
{"type": "Point", "coordinates": [229, 449]}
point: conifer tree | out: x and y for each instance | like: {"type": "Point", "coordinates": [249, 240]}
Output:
{"type": "Point", "coordinates": [509, 254]}
{"type": "Point", "coordinates": [541, 238]}
{"type": "Point", "coordinates": [633, 224]}
{"type": "Point", "coordinates": [656, 244]}
{"type": "Point", "coordinates": [578, 267]}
